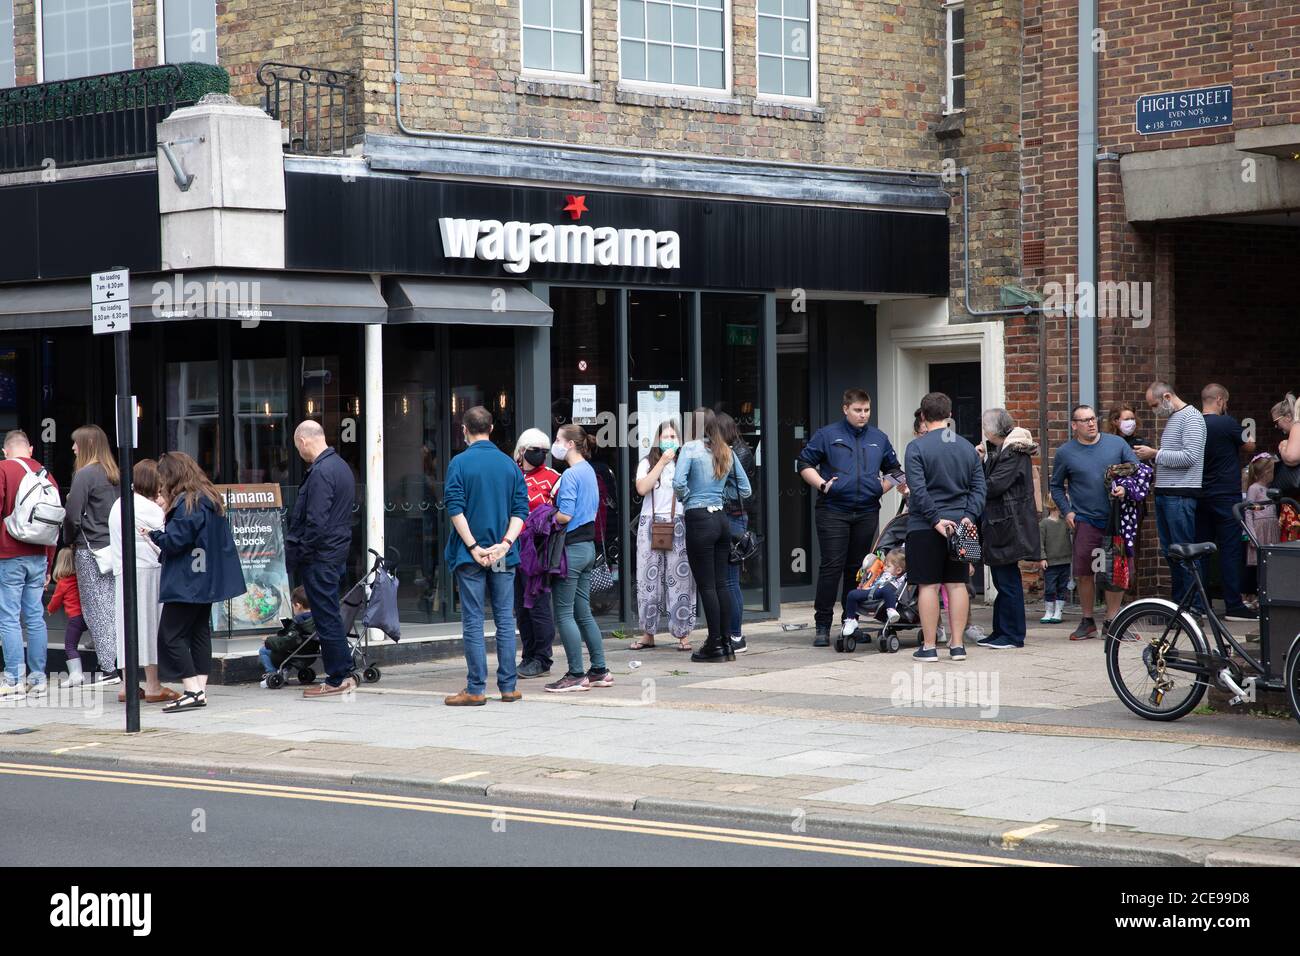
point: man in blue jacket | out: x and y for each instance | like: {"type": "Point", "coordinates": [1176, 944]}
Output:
{"type": "Point", "coordinates": [316, 546]}
{"type": "Point", "coordinates": [844, 462]}
{"type": "Point", "coordinates": [487, 503]}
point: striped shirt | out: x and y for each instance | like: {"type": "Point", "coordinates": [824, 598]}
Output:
{"type": "Point", "coordinates": [1180, 463]}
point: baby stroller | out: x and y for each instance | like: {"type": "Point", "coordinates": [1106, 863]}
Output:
{"type": "Point", "coordinates": [893, 535]}
{"type": "Point", "coordinates": [371, 602]}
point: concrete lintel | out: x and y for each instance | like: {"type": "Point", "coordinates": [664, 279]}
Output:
{"type": "Point", "coordinates": [1282, 141]}
{"type": "Point", "coordinates": [1203, 181]}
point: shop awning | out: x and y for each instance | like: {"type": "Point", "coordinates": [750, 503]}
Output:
{"type": "Point", "coordinates": [208, 294]}
{"type": "Point", "coordinates": [456, 302]}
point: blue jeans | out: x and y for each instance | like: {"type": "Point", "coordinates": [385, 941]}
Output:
{"type": "Point", "coordinates": [1217, 523]}
{"type": "Point", "coordinates": [264, 655]}
{"type": "Point", "coordinates": [738, 525]}
{"type": "Point", "coordinates": [1056, 582]}
{"type": "Point", "coordinates": [1176, 524]}
{"type": "Point", "coordinates": [573, 617]}
{"type": "Point", "coordinates": [1009, 605]}
{"type": "Point", "coordinates": [475, 584]}
{"type": "Point", "coordinates": [22, 582]}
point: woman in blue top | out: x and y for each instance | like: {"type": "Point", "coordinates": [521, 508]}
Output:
{"type": "Point", "coordinates": [705, 469]}
{"type": "Point", "coordinates": [200, 567]}
{"type": "Point", "coordinates": [577, 498]}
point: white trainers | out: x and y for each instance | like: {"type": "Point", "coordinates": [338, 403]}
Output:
{"type": "Point", "coordinates": [850, 626]}
{"type": "Point", "coordinates": [38, 690]}
{"type": "Point", "coordinates": [12, 691]}
{"type": "Point", "coordinates": [892, 615]}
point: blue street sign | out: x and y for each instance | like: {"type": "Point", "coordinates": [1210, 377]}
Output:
{"type": "Point", "coordinates": [1184, 110]}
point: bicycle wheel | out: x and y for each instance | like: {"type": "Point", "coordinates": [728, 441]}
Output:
{"type": "Point", "coordinates": [1292, 676]}
{"type": "Point", "coordinates": [1135, 665]}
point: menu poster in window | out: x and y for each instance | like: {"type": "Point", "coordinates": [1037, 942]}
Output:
{"type": "Point", "coordinates": [254, 515]}
{"type": "Point", "coordinates": [584, 404]}
{"type": "Point", "coordinates": [653, 407]}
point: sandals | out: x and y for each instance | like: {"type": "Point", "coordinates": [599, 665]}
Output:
{"type": "Point", "coordinates": [642, 646]}
{"type": "Point", "coordinates": [166, 695]}
{"type": "Point", "coordinates": [684, 647]}
{"type": "Point", "coordinates": [186, 701]}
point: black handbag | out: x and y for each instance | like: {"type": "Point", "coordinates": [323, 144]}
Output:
{"type": "Point", "coordinates": [744, 545]}
{"type": "Point", "coordinates": [964, 544]}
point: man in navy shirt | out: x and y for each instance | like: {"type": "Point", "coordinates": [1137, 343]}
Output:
{"type": "Point", "coordinates": [844, 462]}
{"type": "Point", "coordinates": [1220, 490]}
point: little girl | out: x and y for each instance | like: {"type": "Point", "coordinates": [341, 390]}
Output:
{"type": "Point", "coordinates": [1263, 521]}
{"type": "Point", "coordinates": [885, 589]}
{"type": "Point", "coordinates": [67, 597]}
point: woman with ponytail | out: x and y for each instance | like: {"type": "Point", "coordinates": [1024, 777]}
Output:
{"type": "Point", "coordinates": [577, 499]}
{"type": "Point", "coordinates": [707, 470]}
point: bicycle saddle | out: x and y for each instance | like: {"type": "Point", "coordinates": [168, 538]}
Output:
{"type": "Point", "coordinates": [1190, 552]}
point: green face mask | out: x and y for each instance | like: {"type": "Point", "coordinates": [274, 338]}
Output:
{"type": "Point", "coordinates": [667, 445]}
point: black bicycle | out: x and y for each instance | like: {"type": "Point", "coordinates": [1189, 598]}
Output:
{"type": "Point", "coordinates": [1160, 662]}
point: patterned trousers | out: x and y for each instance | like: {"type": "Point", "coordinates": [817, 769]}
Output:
{"type": "Point", "coordinates": [664, 585]}
{"type": "Point", "coordinates": [98, 607]}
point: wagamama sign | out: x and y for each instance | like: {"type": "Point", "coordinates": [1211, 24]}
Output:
{"type": "Point", "coordinates": [519, 244]}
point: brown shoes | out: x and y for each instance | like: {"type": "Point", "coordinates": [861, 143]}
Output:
{"type": "Point", "coordinates": [465, 699]}
{"type": "Point", "coordinates": [511, 697]}
{"type": "Point", "coordinates": [121, 695]}
{"type": "Point", "coordinates": [325, 690]}
{"type": "Point", "coordinates": [165, 696]}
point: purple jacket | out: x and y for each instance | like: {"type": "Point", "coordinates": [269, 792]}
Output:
{"type": "Point", "coordinates": [541, 558]}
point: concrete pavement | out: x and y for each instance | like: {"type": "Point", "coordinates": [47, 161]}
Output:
{"type": "Point", "coordinates": [1030, 746]}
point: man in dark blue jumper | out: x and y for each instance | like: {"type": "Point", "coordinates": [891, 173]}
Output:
{"type": "Point", "coordinates": [845, 462]}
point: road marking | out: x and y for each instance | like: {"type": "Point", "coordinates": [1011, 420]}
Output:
{"type": "Point", "coordinates": [684, 831]}
{"type": "Point", "coordinates": [63, 750]}
{"type": "Point", "coordinates": [1013, 838]}
{"type": "Point", "coordinates": [464, 776]}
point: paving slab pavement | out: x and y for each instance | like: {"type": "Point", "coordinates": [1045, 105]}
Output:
{"type": "Point", "coordinates": [786, 729]}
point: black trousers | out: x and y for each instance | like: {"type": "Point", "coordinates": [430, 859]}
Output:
{"type": "Point", "coordinates": [536, 625]}
{"type": "Point", "coordinates": [845, 537]}
{"type": "Point", "coordinates": [708, 547]}
{"type": "Point", "coordinates": [185, 639]}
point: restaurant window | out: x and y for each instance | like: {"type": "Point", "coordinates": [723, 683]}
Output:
{"type": "Point", "coordinates": [554, 37]}
{"type": "Point", "coordinates": [85, 38]}
{"type": "Point", "coordinates": [956, 95]}
{"type": "Point", "coordinates": [786, 42]}
{"type": "Point", "coordinates": [7, 77]}
{"type": "Point", "coordinates": [674, 42]}
{"type": "Point", "coordinates": [260, 391]}
{"type": "Point", "coordinates": [193, 395]}
{"type": "Point", "coordinates": [189, 31]}
{"type": "Point", "coordinates": [731, 333]}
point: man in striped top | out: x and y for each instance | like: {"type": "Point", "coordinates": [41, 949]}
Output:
{"type": "Point", "coordinates": [1180, 466]}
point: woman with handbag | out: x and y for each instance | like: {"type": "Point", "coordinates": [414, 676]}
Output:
{"type": "Point", "coordinates": [94, 489]}
{"type": "Point", "coordinates": [1009, 525]}
{"type": "Point", "coordinates": [741, 513]}
{"type": "Point", "coordinates": [705, 467]}
{"type": "Point", "coordinates": [665, 586]}
{"type": "Point", "coordinates": [577, 501]}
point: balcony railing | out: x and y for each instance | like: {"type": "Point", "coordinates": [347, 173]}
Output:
{"type": "Point", "coordinates": [312, 105]}
{"type": "Point", "coordinates": [93, 119]}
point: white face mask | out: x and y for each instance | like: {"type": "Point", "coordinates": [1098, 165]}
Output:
{"type": "Point", "coordinates": [559, 451]}
{"type": "Point", "coordinates": [1128, 426]}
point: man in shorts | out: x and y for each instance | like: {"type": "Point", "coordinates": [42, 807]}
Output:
{"type": "Point", "coordinates": [1079, 490]}
{"type": "Point", "coordinates": [945, 479]}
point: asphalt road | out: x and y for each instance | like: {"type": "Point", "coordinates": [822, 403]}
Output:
{"type": "Point", "coordinates": [97, 817]}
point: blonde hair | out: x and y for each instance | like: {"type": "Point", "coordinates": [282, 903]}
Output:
{"type": "Point", "coordinates": [898, 558]}
{"type": "Point", "coordinates": [93, 449]}
{"type": "Point", "coordinates": [64, 565]}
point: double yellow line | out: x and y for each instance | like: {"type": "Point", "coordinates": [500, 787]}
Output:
{"type": "Point", "coordinates": [586, 821]}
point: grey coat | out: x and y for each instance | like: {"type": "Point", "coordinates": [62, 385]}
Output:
{"type": "Point", "coordinates": [1009, 526]}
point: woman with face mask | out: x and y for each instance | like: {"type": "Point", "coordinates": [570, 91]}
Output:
{"type": "Point", "coordinates": [664, 585]}
{"type": "Point", "coordinates": [577, 499]}
{"type": "Point", "coordinates": [536, 623]}
{"type": "Point", "coordinates": [1122, 421]}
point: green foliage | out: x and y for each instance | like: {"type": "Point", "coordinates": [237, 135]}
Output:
{"type": "Point", "coordinates": [129, 89]}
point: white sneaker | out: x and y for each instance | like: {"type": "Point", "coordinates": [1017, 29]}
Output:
{"type": "Point", "coordinates": [38, 690]}
{"type": "Point", "coordinates": [12, 691]}
{"type": "Point", "coordinates": [973, 633]}
{"type": "Point", "coordinates": [263, 684]}
{"type": "Point", "coordinates": [850, 626]}
{"type": "Point", "coordinates": [892, 615]}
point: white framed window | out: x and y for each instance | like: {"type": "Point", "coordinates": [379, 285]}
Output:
{"type": "Point", "coordinates": [682, 44]}
{"type": "Point", "coordinates": [7, 75]}
{"type": "Point", "coordinates": [955, 98]}
{"type": "Point", "coordinates": [187, 31]}
{"type": "Point", "coordinates": [556, 38]}
{"type": "Point", "coordinates": [85, 38]}
{"type": "Point", "coordinates": [787, 50]}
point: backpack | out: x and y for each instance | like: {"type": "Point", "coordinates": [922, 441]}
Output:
{"type": "Point", "coordinates": [38, 510]}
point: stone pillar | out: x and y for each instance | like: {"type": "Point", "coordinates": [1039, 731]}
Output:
{"type": "Point", "coordinates": [232, 214]}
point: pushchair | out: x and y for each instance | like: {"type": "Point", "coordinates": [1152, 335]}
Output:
{"type": "Point", "coordinates": [370, 602]}
{"type": "Point", "coordinates": [893, 535]}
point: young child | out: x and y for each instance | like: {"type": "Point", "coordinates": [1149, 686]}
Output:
{"type": "Point", "coordinates": [67, 596]}
{"type": "Point", "coordinates": [885, 589]}
{"type": "Point", "coordinates": [1055, 558]}
{"type": "Point", "coordinates": [280, 646]}
{"type": "Point", "coordinates": [1263, 521]}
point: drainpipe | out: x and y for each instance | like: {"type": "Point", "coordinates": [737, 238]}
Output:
{"type": "Point", "coordinates": [965, 251]}
{"type": "Point", "coordinates": [1087, 202]}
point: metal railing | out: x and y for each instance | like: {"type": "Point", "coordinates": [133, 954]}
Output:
{"type": "Point", "coordinates": [92, 119]}
{"type": "Point", "coordinates": [311, 104]}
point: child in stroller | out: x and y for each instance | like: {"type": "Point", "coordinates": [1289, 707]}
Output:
{"type": "Point", "coordinates": [879, 584]}
{"type": "Point", "coordinates": [294, 645]}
